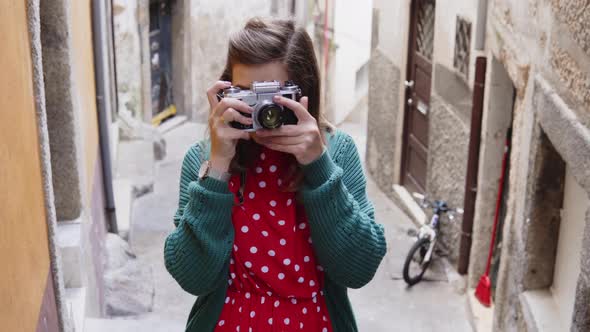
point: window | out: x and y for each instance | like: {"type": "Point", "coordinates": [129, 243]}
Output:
{"type": "Point", "coordinates": [462, 46]}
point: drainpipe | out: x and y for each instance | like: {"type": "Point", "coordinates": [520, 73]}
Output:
{"type": "Point", "coordinates": [474, 139]}
{"type": "Point", "coordinates": [104, 104]}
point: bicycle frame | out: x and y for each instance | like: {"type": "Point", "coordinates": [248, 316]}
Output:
{"type": "Point", "coordinates": [429, 231]}
{"type": "Point", "coordinates": [427, 237]}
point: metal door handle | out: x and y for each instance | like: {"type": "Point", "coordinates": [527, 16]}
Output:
{"type": "Point", "coordinates": [422, 108]}
{"type": "Point", "coordinates": [409, 84]}
{"type": "Point", "coordinates": [410, 101]}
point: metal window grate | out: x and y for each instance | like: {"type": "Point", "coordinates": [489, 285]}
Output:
{"type": "Point", "coordinates": [425, 28]}
{"type": "Point", "coordinates": [462, 45]}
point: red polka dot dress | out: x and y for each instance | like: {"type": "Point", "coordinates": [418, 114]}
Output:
{"type": "Point", "coordinates": [275, 283]}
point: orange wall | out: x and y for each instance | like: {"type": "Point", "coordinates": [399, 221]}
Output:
{"type": "Point", "coordinates": [24, 252]}
{"type": "Point", "coordinates": [83, 73]}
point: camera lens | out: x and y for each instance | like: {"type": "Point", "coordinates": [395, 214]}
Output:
{"type": "Point", "coordinates": [270, 116]}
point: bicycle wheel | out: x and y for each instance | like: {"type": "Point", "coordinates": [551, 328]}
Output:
{"type": "Point", "coordinates": [414, 267]}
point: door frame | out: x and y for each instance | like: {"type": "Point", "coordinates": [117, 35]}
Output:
{"type": "Point", "coordinates": [410, 64]}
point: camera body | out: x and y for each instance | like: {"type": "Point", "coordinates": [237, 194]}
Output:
{"type": "Point", "coordinates": [267, 114]}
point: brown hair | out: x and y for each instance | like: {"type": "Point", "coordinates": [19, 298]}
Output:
{"type": "Point", "coordinates": [277, 40]}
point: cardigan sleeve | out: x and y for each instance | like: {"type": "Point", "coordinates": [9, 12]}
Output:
{"type": "Point", "coordinates": [197, 252]}
{"type": "Point", "coordinates": [348, 243]}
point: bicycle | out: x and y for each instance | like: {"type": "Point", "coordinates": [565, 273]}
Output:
{"type": "Point", "coordinates": [420, 255]}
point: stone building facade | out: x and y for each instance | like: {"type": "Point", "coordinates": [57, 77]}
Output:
{"type": "Point", "coordinates": [442, 169]}
{"type": "Point", "coordinates": [537, 83]}
{"type": "Point", "coordinates": [57, 94]}
{"type": "Point", "coordinates": [198, 33]}
{"type": "Point", "coordinates": [198, 55]}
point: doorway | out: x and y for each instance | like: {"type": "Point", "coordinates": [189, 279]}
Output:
{"type": "Point", "coordinates": [161, 60]}
{"type": "Point", "coordinates": [417, 96]}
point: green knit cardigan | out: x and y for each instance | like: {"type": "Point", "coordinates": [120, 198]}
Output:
{"type": "Point", "coordinates": [347, 241]}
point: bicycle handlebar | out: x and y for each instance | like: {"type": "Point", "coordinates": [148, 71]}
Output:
{"type": "Point", "coordinates": [425, 202]}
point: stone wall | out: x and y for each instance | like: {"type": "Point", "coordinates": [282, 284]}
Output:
{"type": "Point", "coordinates": [383, 115]}
{"type": "Point", "coordinates": [61, 116]}
{"type": "Point", "coordinates": [531, 240]}
{"type": "Point", "coordinates": [577, 16]}
{"type": "Point", "coordinates": [128, 48]}
{"type": "Point", "coordinates": [200, 46]}
{"type": "Point", "coordinates": [72, 125]}
{"type": "Point", "coordinates": [544, 49]}
{"type": "Point", "coordinates": [448, 141]}
{"type": "Point", "coordinates": [538, 83]}
{"type": "Point", "coordinates": [569, 51]}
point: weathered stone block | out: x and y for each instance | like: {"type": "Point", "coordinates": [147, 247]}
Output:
{"type": "Point", "coordinates": [576, 14]}
{"type": "Point", "coordinates": [382, 122]}
{"type": "Point", "coordinates": [129, 283]}
{"type": "Point", "coordinates": [61, 120]}
{"type": "Point", "coordinates": [575, 78]}
{"type": "Point", "coordinates": [563, 128]}
{"type": "Point", "coordinates": [585, 252]}
{"type": "Point", "coordinates": [581, 315]}
{"type": "Point", "coordinates": [447, 165]}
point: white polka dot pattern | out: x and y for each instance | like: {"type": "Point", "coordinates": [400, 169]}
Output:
{"type": "Point", "coordinates": [274, 278]}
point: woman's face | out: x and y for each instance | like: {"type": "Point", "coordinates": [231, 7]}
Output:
{"type": "Point", "coordinates": [244, 75]}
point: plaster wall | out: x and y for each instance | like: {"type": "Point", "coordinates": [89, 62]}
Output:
{"type": "Point", "coordinates": [392, 29]}
{"type": "Point", "coordinates": [23, 230]}
{"type": "Point", "coordinates": [56, 274]}
{"type": "Point", "coordinates": [444, 31]}
{"type": "Point", "coordinates": [128, 48]}
{"type": "Point", "coordinates": [83, 85]}
{"type": "Point", "coordinates": [352, 37]}
{"type": "Point", "coordinates": [569, 247]}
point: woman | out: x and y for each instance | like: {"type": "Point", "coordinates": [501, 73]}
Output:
{"type": "Point", "coordinates": [273, 226]}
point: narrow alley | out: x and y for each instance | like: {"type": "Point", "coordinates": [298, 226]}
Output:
{"type": "Point", "coordinates": [386, 304]}
{"type": "Point", "coordinates": [474, 109]}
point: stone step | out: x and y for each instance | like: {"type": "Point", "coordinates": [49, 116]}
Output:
{"type": "Point", "coordinates": [128, 325]}
{"type": "Point", "coordinates": [416, 213]}
{"type": "Point", "coordinates": [76, 307]}
{"type": "Point", "coordinates": [69, 244]}
{"type": "Point", "coordinates": [123, 192]}
{"type": "Point", "coordinates": [171, 123]}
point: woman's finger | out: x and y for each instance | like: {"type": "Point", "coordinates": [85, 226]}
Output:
{"type": "Point", "coordinates": [300, 111]}
{"type": "Point", "coordinates": [304, 102]}
{"type": "Point", "coordinates": [236, 104]}
{"type": "Point", "coordinates": [284, 140]}
{"type": "Point", "coordinates": [231, 114]}
{"type": "Point", "coordinates": [281, 148]}
{"type": "Point", "coordinates": [232, 133]}
{"type": "Point", "coordinates": [284, 130]}
{"type": "Point", "coordinates": [213, 90]}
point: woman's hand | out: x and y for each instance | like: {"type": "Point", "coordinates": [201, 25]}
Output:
{"type": "Point", "coordinates": [224, 138]}
{"type": "Point", "coordinates": [303, 140]}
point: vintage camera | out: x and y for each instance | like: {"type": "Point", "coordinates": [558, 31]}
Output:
{"type": "Point", "coordinates": [267, 114]}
